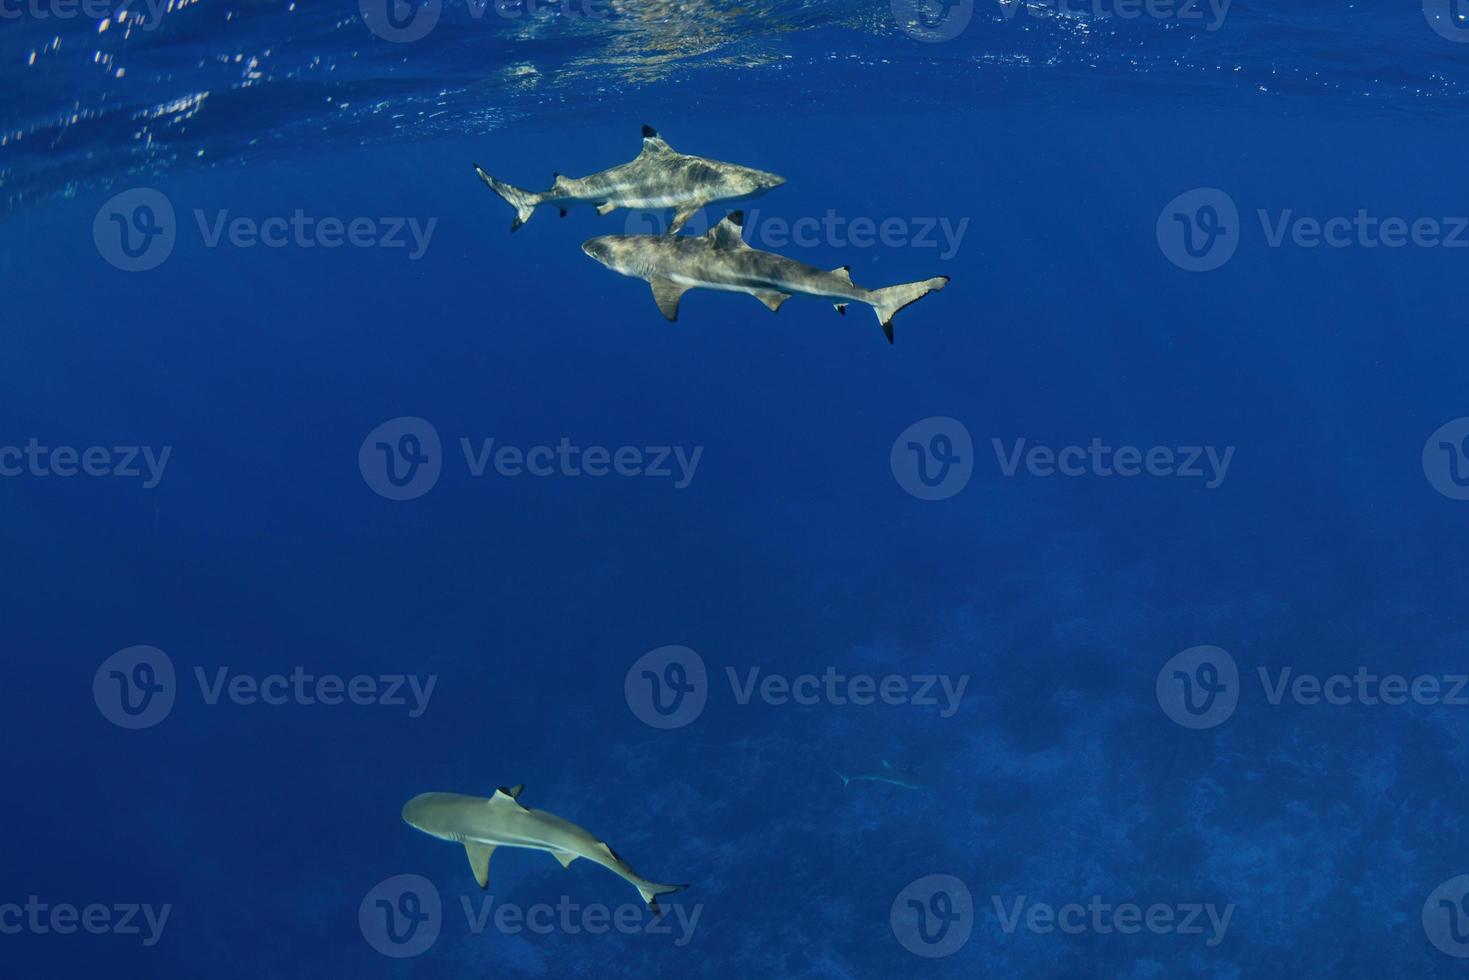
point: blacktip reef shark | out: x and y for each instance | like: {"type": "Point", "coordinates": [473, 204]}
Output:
{"type": "Point", "coordinates": [659, 178]}
{"type": "Point", "coordinates": [672, 265]}
{"type": "Point", "coordinates": [887, 774]}
{"type": "Point", "coordinates": [482, 825]}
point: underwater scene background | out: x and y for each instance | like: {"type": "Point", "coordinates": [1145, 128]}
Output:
{"type": "Point", "coordinates": [1109, 623]}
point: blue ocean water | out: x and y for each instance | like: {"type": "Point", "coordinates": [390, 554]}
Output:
{"type": "Point", "coordinates": [1126, 573]}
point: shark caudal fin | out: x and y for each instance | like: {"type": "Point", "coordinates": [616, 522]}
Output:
{"type": "Point", "coordinates": [524, 202]}
{"type": "Point", "coordinates": [844, 779]}
{"type": "Point", "coordinates": [888, 301]}
{"type": "Point", "coordinates": [651, 890]}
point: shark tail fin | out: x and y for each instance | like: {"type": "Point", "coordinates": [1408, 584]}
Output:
{"type": "Point", "coordinates": [524, 202]}
{"type": "Point", "coordinates": [651, 890]}
{"type": "Point", "coordinates": [844, 779]}
{"type": "Point", "coordinates": [888, 301]}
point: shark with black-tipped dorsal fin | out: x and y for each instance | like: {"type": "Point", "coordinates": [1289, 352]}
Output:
{"type": "Point", "coordinates": [673, 265]}
{"type": "Point", "coordinates": [659, 179]}
{"type": "Point", "coordinates": [887, 774]}
{"type": "Point", "coordinates": [482, 825]}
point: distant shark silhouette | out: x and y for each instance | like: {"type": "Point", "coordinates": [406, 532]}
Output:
{"type": "Point", "coordinates": [720, 259]}
{"type": "Point", "coordinates": [887, 774]}
{"type": "Point", "coordinates": [659, 179]}
{"type": "Point", "coordinates": [482, 825]}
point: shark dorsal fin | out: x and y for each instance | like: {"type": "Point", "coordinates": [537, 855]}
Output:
{"type": "Point", "coordinates": [511, 791]}
{"type": "Point", "coordinates": [653, 143]}
{"type": "Point", "coordinates": [844, 273]}
{"type": "Point", "coordinates": [887, 765]}
{"type": "Point", "coordinates": [479, 860]}
{"type": "Point", "coordinates": [728, 233]}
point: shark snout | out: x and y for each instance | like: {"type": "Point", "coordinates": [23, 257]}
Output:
{"type": "Point", "coordinates": [416, 811]}
{"type": "Point", "coordinates": [598, 248]}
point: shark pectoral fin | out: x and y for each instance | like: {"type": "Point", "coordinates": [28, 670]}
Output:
{"type": "Point", "coordinates": [479, 861]}
{"type": "Point", "coordinates": [606, 209]}
{"type": "Point", "coordinates": [667, 293]}
{"type": "Point", "coordinates": [841, 308]}
{"type": "Point", "coordinates": [772, 298]}
{"type": "Point", "coordinates": [681, 218]}
{"type": "Point", "coordinates": [565, 857]}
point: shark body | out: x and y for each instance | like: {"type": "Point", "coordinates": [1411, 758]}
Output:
{"type": "Point", "coordinates": [672, 265]}
{"type": "Point", "coordinates": [887, 774]}
{"type": "Point", "coordinates": [482, 824]}
{"type": "Point", "coordinates": [659, 179]}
